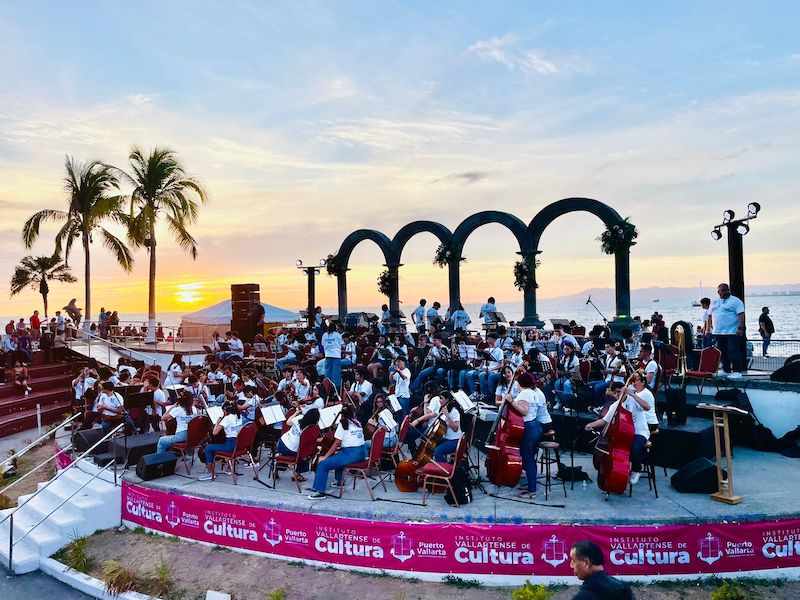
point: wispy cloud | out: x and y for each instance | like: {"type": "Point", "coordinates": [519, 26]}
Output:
{"type": "Point", "coordinates": [466, 178]}
{"type": "Point", "coordinates": [505, 50]}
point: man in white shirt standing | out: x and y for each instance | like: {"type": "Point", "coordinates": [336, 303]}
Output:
{"type": "Point", "coordinates": [419, 316]}
{"type": "Point", "coordinates": [727, 318]}
{"type": "Point", "coordinates": [487, 309]}
{"type": "Point", "coordinates": [332, 343]}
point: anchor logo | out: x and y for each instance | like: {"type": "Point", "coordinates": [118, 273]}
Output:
{"type": "Point", "coordinates": [554, 553]}
{"type": "Point", "coordinates": [173, 515]}
{"type": "Point", "coordinates": [401, 547]}
{"type": "Point", "coordinates": [272, 533]}
{"type": "Point", "coordinates": [709, 549]}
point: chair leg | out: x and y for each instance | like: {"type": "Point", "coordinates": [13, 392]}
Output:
{"type": "Point", "coordinates": [253, 464]}
{"type": "Point", "coordinates": [232, 465]}
{"type": "Point", "coordinates": [213, 468]}
{"type": "Point", "coordinates": [452, 493]}
{"type": "Point", "coordinates": [424, 490]}
{"type": "Point", "coordinates": [700, 387]}
{"type": "Point", "coordinates": [296, 477]}
{"type": "Point", "coordinates": [366, 483]}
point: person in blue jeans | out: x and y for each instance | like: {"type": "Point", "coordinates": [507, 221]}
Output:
{"type": "Point", "coordinates": [332, 344]}
{"type": "Point", "coordinates": [231, 424]}
{"type": "Point", "coordinates": [182, 412]}
{"type": "Point", "coordinates": [529, 403]}
{"type": "Point", "coordinates": [347, 448]}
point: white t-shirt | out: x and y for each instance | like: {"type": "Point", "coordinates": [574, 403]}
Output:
{"type": "Point", "coordinates": [83, 386]}
{"type": "Point", "coordinates": [216, 376]}
{"type": "Point", "coordinates": [232, 424]}
{"type": "Point", "coordinates": [639, 416]}
{"type": "Point", "coordinates": [302, 389]}
{"type": "Point", "coordinates": [503, 388]}
{"type": "Point", "coordinates": [364, 388]}
{"type": "Point", "coordinates": [497, 355]}
{"type": "Point", "coordinates": [418, 316]}
{"type": "Point", "coordinates": [647, 396]}
{"type": "Point", "coordinates": [332, 344]}
{"type": "Point", "coordinates": [160, 398]}
{"type": "Point", "coordinates": [615, 363]}
{"type": "Point", "coordinates": [538, 406]}
{"type": "Point", "coordinates": [319, 404]}
{"type": "Point", "coordinates": [291, 439]}
{"type": "Point", "coordinates": [706, 314]}
{"type": "Point", "coordinates": [651, 367]}
{"type": "Point", "coordinates": [173, 374]}
{"type": "Point", "coordinates": [237, 347]}
{"type": "Point", "coordinates": [725, 315]}
{"type": "Point", "coordinates": [351, 352]}
{"type": "Point", "coordinates": [182, 418]}
{"type": "Point", "coordinates": [401, 386]}
{"type": "Point", "coordinates": [112, 401]}
{"type": "Point", "coordinates": [352, 437]}
{"type": "Point", "coordinates": [284, 383]}
{"type": "Point", "coordinates": [487, 308]}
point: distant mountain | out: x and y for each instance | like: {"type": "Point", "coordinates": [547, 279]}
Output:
{"type": "Point", "coordinates": [668, 293]}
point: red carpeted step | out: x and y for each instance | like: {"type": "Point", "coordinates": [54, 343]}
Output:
{"type": "Point", "coordinates": [20, 403]}
{"type": "Point", "coordinates": [26, 419]}
{"type": "Point", "coordinates": [39, 384]}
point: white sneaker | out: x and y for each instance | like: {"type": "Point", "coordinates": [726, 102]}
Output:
{"type": "Point", "coordinates": [734, 375]}
{"type": "Point", "coordinates": [722, 374]}
{"type": "Point", "coordinates": [317, 496]}
{"type": "Point", "coordinates": [30, 389]}
{"type": "Point", "coordinates": [635, 477]}
{"type": "Point", "coordinates": [557, 406]}
{"type": "Point", "coordinates": [204, 478]}
{"type": "Point", "coordinates": [26, 393]}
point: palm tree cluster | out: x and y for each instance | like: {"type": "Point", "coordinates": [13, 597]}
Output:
{"type": "Point", "coordinates": [161, 189]}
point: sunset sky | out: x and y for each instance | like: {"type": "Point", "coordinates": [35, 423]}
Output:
{"type": "Point", "coordinates": [307, 120]}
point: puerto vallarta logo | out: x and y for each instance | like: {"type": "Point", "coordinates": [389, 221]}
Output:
{"type": "Point", "coordinates": [272, 533]}
{"type": "Point", "coordinates": [401, 547]}
{"type": "Point", "coordinates": [173, 515]}
{"type": "Point", "coordinates": [710, 549]}
{"type": "Point", "coordinates": [554, 551]}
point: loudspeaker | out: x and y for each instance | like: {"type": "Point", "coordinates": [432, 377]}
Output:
{"type": "Point", "coordinates": [697, 477]}
{"type": "Point", "coordinates": [676, 406]}
{"type": "Point", "coordinates": [86, 438]}
{"type": "Point", "coordinates": [789, 372]}
{"type": "Point", "coordinates": [153, 466]}
{"type": "Point", "coordinates": [244, 299]}
{"type": "Point", "coordinates": [133, 447]}
{"type": "Point", "coordinates": [246, 329]}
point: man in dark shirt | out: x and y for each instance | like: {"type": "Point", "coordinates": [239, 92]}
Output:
{"type": "Point", "coordinates": [586, 560]}
{"type": "Point", "coordinates": [766, 329]}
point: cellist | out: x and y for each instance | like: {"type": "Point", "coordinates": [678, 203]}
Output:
{"type": "Point", "coordinates": [440, 407]}
{"type": "Point", "coordinates": [638, 405]}
{"type": "Point", "coordinates": [532, 405]}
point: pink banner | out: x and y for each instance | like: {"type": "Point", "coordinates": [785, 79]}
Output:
{"type": "Point", "coordinates": [63, 460]}
{"type": "Point", "coordinates": [460, 548]}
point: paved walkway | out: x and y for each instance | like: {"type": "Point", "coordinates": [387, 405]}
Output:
{"type": "Point", "coordinates": [35, 585]}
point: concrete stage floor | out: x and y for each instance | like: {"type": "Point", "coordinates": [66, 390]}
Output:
{"type": "Point", "coordinates": [766, 481]}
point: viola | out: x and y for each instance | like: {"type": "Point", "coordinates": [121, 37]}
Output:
{"type": "Point", "coordinates": [503, 461]}
{"type": "Point", "coordinates": [612, 452]}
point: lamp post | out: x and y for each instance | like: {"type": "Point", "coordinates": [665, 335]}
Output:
{"type": "Point", "coordinates": [737, 229]}
{"type": "Point", "coordinates": [311, 273]}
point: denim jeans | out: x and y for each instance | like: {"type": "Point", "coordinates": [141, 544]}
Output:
{"type": "Point", "coordinates": [766, 338]}
{"type": "Point", "coordinates": [563, 385]}
{"type": "Point", "coordinates": [423, 376]}
{"type": "Point", "coordinates": [469, 380]}
{"type": "Point", "coordinates": [388, 442]}
{"type": "Point", "coordinates": [228, 446]}
{"type": "Point", "coordinates": [405, 405]}
{"type": "Point", "coordinates": [489, 381]}
{"type": "Point", "coordinates": [166, 441]}
{"type": "Point", "coordinates": [336, 463]}
{"type": "Point", "coordinates": [444, 448]}
{"type": "Point", "coordinates": [731, 348]}
{"type": "Point", "coordinates": [599, 388]}
{"type": "Point", "coordinates": [333, 370]}
{"type": "Point", "coordinates": [637, 452]}
{"type": "Point", "coordinates": [528, 450]}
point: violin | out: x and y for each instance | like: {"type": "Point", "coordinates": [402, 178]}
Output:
{"type": "Point", "coordinates": [612, 451]}
{"type": "Point", "coordinates": [503, 461]}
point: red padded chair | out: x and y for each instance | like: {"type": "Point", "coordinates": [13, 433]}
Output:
{"type": "Point", "coordinates": [668, 362]}
{"type": "Point", "coordinates": [436, 473]}
{"type": "Point", "coordinates": [244, 441]}
{"type": "Point", "coordinates": [709, 363]}
{"type": "Point", "coordinates": [196, 434]}
{"type": "Point", "coordinates": [305, 453]}
{"type": "Point", "coordinates": [373, 461]}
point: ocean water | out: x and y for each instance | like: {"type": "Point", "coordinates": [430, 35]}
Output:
{"type": "Point", "coordinates": [784, 311]}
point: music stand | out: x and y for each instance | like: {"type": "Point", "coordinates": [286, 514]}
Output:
{"type": "Point", "coordinates": [138, 400]}
{"type": "Point", "coordinates": [215, 389]}
{"type": "Point", "coordinates": [722, 445]}
{"type": "Point", "coordinates": [396, 318]}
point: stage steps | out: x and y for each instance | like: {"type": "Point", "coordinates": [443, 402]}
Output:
{"type": "Point", "coordinates": [95, 506]}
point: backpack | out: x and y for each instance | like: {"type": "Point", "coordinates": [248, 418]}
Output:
{"type": "Point", "coordinates": [461, 486]}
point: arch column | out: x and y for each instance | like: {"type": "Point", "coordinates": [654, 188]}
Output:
{"type": "Point", "coordinates": [341, 289]}
{"type": "Point", "coordinates": [531, 317]}
{"type": "Point", "coordinates": [622, 292]}
{"type": "Point", "coordinates": [454, 283]}
{"type": "Point", "coordinates": [394, 285]}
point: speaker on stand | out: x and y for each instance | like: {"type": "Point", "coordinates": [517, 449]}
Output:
{"type": "Point", "coordinates": [245, 297]}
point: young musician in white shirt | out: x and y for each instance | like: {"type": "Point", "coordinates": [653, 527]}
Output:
{"type": "Point", "coordinates": [402, 385]}
{"type": "Point", "coordinates": [289, 442]}
{"type": "Point", "coordinates": [231, 424]}
{"type": "Point", "coordinates": [419, 317]}
{"type": "Point", "coordinates": [347, 448]}
{"type": "Point", "coordinates": [182, 412]}
{"type": "Point", "coordinates": [110, 407]}
{"type": "Point", "coordinates": [507, 385]}
{"type": "Point", "coordinates": [490, 375]}
{"type": "Point", "coordinates": [533, 408]}
{"type": "Point", "coordinates": [382, 403]}
{"type": "Point", "coordinates": [332, 343]}
{"type": "Point", "coordinates": [487, 310]}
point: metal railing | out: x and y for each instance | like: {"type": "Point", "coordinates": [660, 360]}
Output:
{"type": "Point", "coordinates": [777, 353]}
{"type": "Point", "coordinates": [73, 464]}
{"type": "Point", "coordinates": [37, 441]}
{"type": "Point", "coordinates": [89, 338]}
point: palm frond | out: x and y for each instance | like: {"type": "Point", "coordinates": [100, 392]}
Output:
{"type": "Point", "coordinates": [20, 280]}
{"type": "Point", "coordinates": [182, 236]}
{"type": "Point", "coordinates": [118, 249]}
{"type": "Point", "coordinates": [35, 271]}
{"type": "Point", "coordinates": [30, 230]}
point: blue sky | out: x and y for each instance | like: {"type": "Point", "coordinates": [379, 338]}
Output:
{"type": "Point", "coordinates": [309, 120]}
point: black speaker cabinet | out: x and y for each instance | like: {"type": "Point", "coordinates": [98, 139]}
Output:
{"type": "Point", "coordinates": [153, 466]}
{"type": "Point", "coordinates": [697, 477]}
{"type": "Point", "coordinates": [86, 438]}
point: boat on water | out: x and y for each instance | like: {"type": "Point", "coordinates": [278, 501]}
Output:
{"type": "Point", "coordinates": [696, 303]}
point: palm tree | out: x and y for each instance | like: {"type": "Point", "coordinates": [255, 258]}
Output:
{"type": "Point", "coordinates": [36, 272]}
{"type": "Point", "coordinates": [161, 187]}
{"type": "Point", "coordinates": [88, 186]}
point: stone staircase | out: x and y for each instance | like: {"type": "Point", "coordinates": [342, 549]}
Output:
{"type": "Point", "coordinates": [94, 506]}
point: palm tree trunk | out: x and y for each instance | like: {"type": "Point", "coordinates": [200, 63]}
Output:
{"type": "Point", "coordinates": [87, 281]}
{"type": "Point", "coordinates": [151, 298]}
{"type": "Point", "coordinates": [44, 299]}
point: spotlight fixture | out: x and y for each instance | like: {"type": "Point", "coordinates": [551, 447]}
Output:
{"type": "Point", "coordinates": [753, 209]}
{"type": "Point", "coordinates": [316, 271]}
{"type": "Point", "coordinates": [322, 262]}
{"type": "Point", "coordinates": [716, 234]}
{"type": "Point", "coordinates": [298, 263]}
{"type": "Point", "coordinates": [728, 216]}
{"type": "Point", "coordinates": [742, 228]}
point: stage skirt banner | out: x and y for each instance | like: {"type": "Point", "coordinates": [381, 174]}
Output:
{"type": "Point", "coordinates": [465, 548]}
{"type": "Point", "coordinates": [63, 460]}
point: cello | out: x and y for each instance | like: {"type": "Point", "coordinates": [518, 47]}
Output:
{"type": "Point", "coordinates": [503, 461]}
{"type": "Point", "coordinates": [612, 451]}
{"type": "Point", "coordinates": [406, 475]}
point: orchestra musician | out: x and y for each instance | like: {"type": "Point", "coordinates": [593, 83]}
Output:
{"type": "Point", "coordinates": [182, 412]}
{"type": "Point", "coordinates": [490, 376]}
{"type": "Point", "coordinates": [402, 384]}
{"type": "Point", "coordinates": [360, 391]}
{"type": "Point", "coordinates": [460, 319]}
{"type": "Point", "coordinates": [302, 386]}
{"type": "Point", "coordinates": [568, 365]}
{"type": "Point", "coordinates": [532, 405]}
{"type": "Point", "coordinates": [380, 359]}
{"type": "Point", "coordinates": [415, 432]}
{"type": "Point", "coordinates": [433, 364]}
{"type": "Point", "coordinates": [636, 401]}
{"type": "Point", "coordinates": [517, 356]}
{"type": "Point", "coordinates": [381, 403]}
{"type": "Point", "coordinates": [649, 366]}
{"type": "Point", "coordinates": [508, 386]}
{"type": "Point", "coordinates": [231, 424]}
{"type": "Point", "coordinates": [347, 448]}
{"type": "Point", "coordinates": [442, 407]}
{"type": "Point", "coordinates": [289, 442]}
{"type": "Point", "coordinates": [613, 369]}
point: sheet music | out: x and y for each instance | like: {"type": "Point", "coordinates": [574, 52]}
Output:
{"type": "Point", "coordinates": [273, 414]}
{"type": "Point", "coordinates": [466, 352]}
{"type": "Point", "coordinates": [215, 413]}
{"type": "Point", "coordinates": [387, 418]}
{"type": "Point", "coordinates": [394, 403]}
{"type": "Point", "coordinates": [259, 347]}
{"type": "Point", "coordinates": [328, 415]}
{"type": "Point", "coordinates": [463, 401]}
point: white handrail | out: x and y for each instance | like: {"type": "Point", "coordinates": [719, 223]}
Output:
{"type": "Point", "coordinates": [144, 357]}
{"type": "Point", "coordinates": [39, 439]}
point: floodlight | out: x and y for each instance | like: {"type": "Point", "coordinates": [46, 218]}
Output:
{"type": "Point", "coordinates": [728, 216]}
{"type": "Point", "coordinates": [742, 228]}
{"type": "Point", "coordinates": [753, 209]}
{"type": "Point", "coordinates": [716, 235]}
{"type": "Point", "coordinates": [316, 271]}
{"type": "Point", "coordinates": [298, 263]}
{"type": "Point", "coordinates": [322, 262]}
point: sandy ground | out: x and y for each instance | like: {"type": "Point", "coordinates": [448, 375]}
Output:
{"type": "Point", "coordinates": [197, 568]}
{"type": "Point", "coordinates": [26, 463]}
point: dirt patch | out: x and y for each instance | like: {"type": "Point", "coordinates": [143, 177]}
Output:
{"type": "Point", "coordinates": [24, 465]}
{"type": "Point", "coordinates": [197, 568]}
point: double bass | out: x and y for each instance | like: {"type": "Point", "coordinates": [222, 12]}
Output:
{"type": "Point", "coordinates": [612, 452]}
{"type": "Point", "coordinates": [503, 461]}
